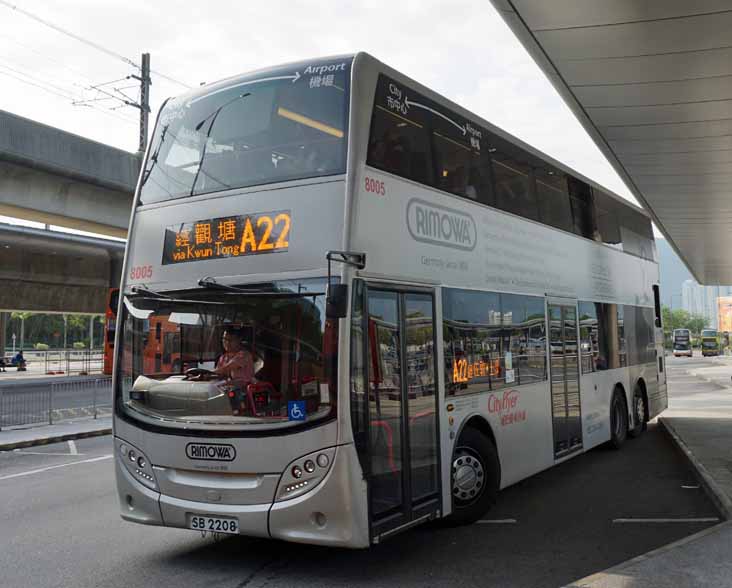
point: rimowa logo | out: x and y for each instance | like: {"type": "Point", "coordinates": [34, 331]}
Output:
{"type": "Point", "coordinates": [432, 223]}
{"type": "Point", "coordinates": [211, 451]}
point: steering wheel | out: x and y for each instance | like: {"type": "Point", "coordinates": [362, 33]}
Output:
{"type": "Point", "coordinates": [198, 373]}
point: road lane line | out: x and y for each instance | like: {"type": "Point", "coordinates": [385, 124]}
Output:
{"type": "Point", "coordinates": [496, 521]}
{"type": "Point", "coordinates": [72, 448]}
{"type": "Point", "coordinates": [22, 452]}
{"type": "Point", "coordinates": [679, 520]}
{"type": "Point", "coordinates": [62, 465]}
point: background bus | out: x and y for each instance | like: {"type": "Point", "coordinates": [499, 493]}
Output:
{"type": "Point", "coordinates": [494, 314]}
{"type": "Point", "coordinates": [682, 343]}
{"type": "Point", "coordinates": [710, 343]}
{"type": "Point", "coordinates": [110, 325]}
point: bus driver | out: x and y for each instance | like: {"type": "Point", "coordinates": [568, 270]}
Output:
{"type": "Point", "coordinates": [236, 363]}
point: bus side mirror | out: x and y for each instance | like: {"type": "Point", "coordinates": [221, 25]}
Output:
{"type": "Point", "coordinates": [336, 301]}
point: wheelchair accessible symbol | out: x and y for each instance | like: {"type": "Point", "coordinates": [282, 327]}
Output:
{"type": "Point", "coordinates": [296, 410]}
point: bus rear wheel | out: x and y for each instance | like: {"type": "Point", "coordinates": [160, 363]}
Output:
{"type": "Point", "coordinates": [639, 413]}
{"type": "Point", "coordinates": [618, 419]}
{"type": "Point", "coordinates": [475, 477]}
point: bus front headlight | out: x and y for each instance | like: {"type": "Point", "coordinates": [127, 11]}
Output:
{"type": "Point", "coordinates": [137, 463]}
{"type": "Point", "coordinates": [302, 475]}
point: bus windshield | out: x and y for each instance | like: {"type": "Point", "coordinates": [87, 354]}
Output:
{"type": "Point", "coordinates": [709, 333]}
{"type": "Point", "coordinates": [273, 127]}
{"type": "Point", "coordinates": [229, 359]}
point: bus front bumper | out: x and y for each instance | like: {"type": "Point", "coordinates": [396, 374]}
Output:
{"type": "Point", "coordinates": [333, 513]}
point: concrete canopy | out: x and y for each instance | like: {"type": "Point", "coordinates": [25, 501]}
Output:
{"type": "Point", "coordinates": [45, 271]}
{"type": "Point", "coordinates": [651, 82]}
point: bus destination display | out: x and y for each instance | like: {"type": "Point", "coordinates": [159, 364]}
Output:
{"type": "Point", "coordinates": [228, 236]}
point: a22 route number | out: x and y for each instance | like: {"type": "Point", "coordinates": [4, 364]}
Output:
{"type": "Point", "coordinates": [141, 272]}
{"type": "Point", "coordinates": [375, 186]}
{"type": "Point", "coordinates": [214, 524]}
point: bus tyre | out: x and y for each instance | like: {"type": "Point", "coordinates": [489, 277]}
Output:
{"type": "Point", "coordinates": [618, 419]}
{"type": "Point", "coordinates": [639, 413]}
{"type": "Point", "coordinates": [475, 477]}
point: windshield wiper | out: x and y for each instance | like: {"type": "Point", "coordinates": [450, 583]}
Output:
{"type": "Point", "coordinates": [142, 291]}
{"type": "Point", "coordinates": [154, 156]}
{"type": "Point", "coordinates": [211, 284]}
{"type": "Point", "coordinates": [163, 305]}
{"type": "Point", "coordinates": [213, 117]}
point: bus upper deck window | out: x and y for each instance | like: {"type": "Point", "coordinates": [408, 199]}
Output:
{"type": "Point", "coordinates": [399, 145]}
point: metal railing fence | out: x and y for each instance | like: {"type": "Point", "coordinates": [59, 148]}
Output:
{"type": "Point", "coordinates": [38, 404]}
{"type": "Point", "coordinates": [61, 361]}
{"type": "Point", "coordinates": [17, 408]}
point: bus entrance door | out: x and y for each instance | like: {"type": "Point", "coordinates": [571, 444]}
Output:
{"type": "Point", "coordinates": [565, 382]}
{"type": "Point", "coordinates": [404, 486]}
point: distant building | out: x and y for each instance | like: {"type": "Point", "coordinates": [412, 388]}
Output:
{"type": "Point", "coordinates": [702, 300]}
{"type": "Point", "coordinates": [692, 297]}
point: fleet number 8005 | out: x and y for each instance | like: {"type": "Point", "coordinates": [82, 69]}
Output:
{"type": "Point", "coordinates": [375, 186]}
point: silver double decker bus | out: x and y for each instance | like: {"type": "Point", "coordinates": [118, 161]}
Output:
{"type": "Point", "coordinates": [350, 306]}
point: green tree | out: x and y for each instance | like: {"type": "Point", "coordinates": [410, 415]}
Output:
{"type": "Point", "coordinates": [680, 319]}
{"type": "Point", "coordinates": [21, 316]}
{"type": "Point", "coordinates": [674, 319]}
{"type": "Point", "coordinates": [696, 324]}
{"type": "Point", "coordinates": [78, 321]}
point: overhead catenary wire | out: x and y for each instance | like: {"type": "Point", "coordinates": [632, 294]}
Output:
{"type": "Point", "coordinates": [57, 87]}
{"type": "Point", "coordinates": [88, 42]}
{"type": "Point", "coordinates": [69, 33]}
{"type": "Point", "coordinates": [65, 79]}
{"type": "Point", "coordinates": [68, 93]}
{"type": "Point", "coordinates": [106, 95]}
{"type": "Point", "coordinates": [46, 88]}
{"type": "Point", "coordinates": [61, 89]}
{"type": "Point", "coordinates": [57, 62]}
{"type": "Point", "coordinates": [67, 97]}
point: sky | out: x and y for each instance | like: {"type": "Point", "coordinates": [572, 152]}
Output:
{"type": "Point", "coordinates": [461, 49]}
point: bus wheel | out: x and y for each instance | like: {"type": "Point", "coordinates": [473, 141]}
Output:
{"type": "Point", "coordinates": [475, 477]}
{"type": "Point", "coordinates": [639, 413]}
{"type": "Point", "coordinates": [618, 419]}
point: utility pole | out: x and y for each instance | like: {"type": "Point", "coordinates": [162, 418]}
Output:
{"type": "Point", "coordinates": [3, 332]}
{"type": "Point", "coordinates": [144, 105]}
{"type": "Point", "coordinates": [105, 92]}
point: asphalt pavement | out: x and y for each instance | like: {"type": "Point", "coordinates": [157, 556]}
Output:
{"type": "Point", "coordinates": [699, 420]}
{"type": "Point", "coordinates": [59, 527]}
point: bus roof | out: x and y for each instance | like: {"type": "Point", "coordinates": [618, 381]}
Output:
{"type": "Point", "coordinates": [298, 65]}
{"type": "Point", "coordinates": [208, 88]}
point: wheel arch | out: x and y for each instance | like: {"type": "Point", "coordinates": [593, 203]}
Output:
{"type": "Point", "coordinates": [619, 386]}
{"type": "Point", "coordinates": [479, 423]}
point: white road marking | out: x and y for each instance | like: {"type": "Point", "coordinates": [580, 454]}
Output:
{"type": "Point", "coordinates": [685, 487]}
{"type": "Point", "coordinates": [21, 452]}
{"type": "Point", "coordinates": [72, 448]}
{"type": "Point", "coordinates": [679, 520]}
{"type": "Point", "coordinates": [496, 521]}
{"type": "Point", "coordinates": [62, 465]}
